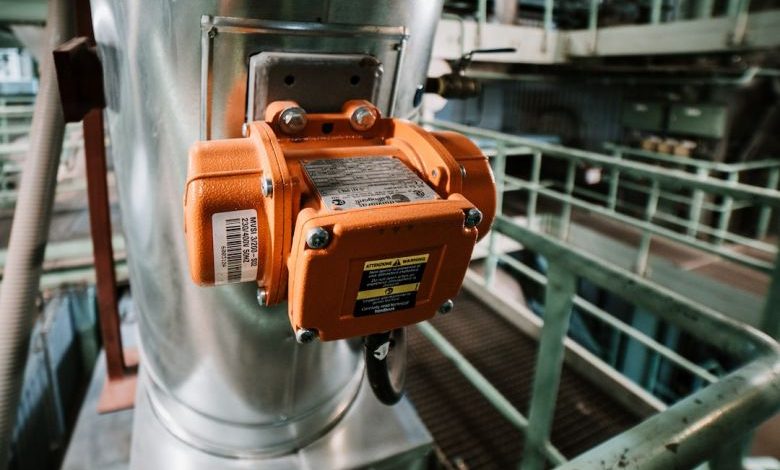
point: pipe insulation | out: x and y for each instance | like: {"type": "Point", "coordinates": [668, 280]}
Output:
{"type": "Point", "coordinates": [30, 228]}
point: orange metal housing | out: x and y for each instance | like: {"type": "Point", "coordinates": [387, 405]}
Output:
{"type": "Point", "coordinates": [346, 288]}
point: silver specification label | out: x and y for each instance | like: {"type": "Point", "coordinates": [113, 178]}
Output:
{"type": "Point", "coordinates": [352, 183]}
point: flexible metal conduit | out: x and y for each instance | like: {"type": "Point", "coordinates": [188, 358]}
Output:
{"type": "Point", "coordinates": [30, 227]}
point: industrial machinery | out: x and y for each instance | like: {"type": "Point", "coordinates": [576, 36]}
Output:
{"type": "Point", "coordinates": [339, 213]}
{"type": "Point", "coordinates": [320, 204]}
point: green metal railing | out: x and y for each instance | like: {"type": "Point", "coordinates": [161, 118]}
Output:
{"type": "Point", "coordinates": [731, 172]}
{"type": "Point", "coordinates": [691, 430]}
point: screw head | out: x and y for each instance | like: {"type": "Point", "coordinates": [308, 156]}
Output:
{"type": "Point", "coordinates": [363, 118]}
{"type": "Point", "coordinates": [446, 307]}
{"type": "Point", "coordinates": [473, 217]}
{"type": "Point", "coordinates": [262, 297]}
{"type": "Point", "coordinates": [305, 335]}
{"type": "Point", "coordinates": [292, 120]}
{"type": "Point", "coordinates": [317, 238]}
{"type": "Point", "coordinates": [267, 186]}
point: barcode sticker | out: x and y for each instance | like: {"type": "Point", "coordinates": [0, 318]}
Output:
{"type": "Point", "coordinates": [235, 246]}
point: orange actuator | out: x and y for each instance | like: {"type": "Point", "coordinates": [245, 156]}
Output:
{"type": "Point", "coordinates": [364, 224]}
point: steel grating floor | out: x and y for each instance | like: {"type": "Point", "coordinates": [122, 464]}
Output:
{"type": "Point", "coordinates": [465, 427]}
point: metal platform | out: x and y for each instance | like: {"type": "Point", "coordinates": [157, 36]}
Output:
{"type": "Point", "coordinates": [466, 428]}
{"type": "Point", "coordinates": [370, 435]}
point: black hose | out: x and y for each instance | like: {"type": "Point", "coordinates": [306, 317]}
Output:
{"type": "Point", "coordinates": [386, 365]}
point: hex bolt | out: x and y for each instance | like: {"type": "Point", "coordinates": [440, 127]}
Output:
{"type": "Point", "coordinates": [446, 307]}
{"type": "Point", "coordinates": [473, 217]}
{"type": "Point", "coordinates": [262, 297]}
{"type": "Point", "coordinates": [363, 118]}
{"type": "Point", "coordinates": [267, 186]}
{"type": "Point", "coordinates": [317, 238]}
{"type": "Point", "coordinates": [305, 335]}
{"type": "Point", "coordinates": [292, 120]}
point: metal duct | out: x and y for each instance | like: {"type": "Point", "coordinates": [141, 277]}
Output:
{"type": "Point", "coordinates": [224, 375]}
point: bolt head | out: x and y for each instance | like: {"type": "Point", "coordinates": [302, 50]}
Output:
{"type": "Point", "coordinates": [473, 217]}
{"type": "Point", "coordinates": [262, 297]}
{"type": "Point", "coordinates": [267, 186]}
{"type": "Point", "coordinates": [292, 120]}
{"type": "Point", "coordinates": [363, 118]}
{"type": "Point", "coordinates": [317, 238]}
{"type": "Point", "coordinates": [446, 307]}
{"type": "Point", "coordinates": [305, 335]}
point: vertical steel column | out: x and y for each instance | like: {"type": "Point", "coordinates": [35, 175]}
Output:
{"type": "Point", "coordinates": [499, 173]}
{"type": "Point", "coordinates": [733, 7]}
{"type": "Point", "coordinates": [481, 20]}
{"type": "Point", "coordinates": [729, 455]}
{"type": "Point", "coordinates": [643, 251]}
{"type": "Point", "coordinates": [548, 23]}
{"type": "Point", "coordinates": [4, 138]}
{"type": "Point", "coordinates": [694, 213]}
{"type": "Point", "coordinates": [725, 211]}
{"type": "Point", "coordinates": [614, 181]}
{"type": "Point", "coordinates": [703, 8]}
{"type": "Point", "coordinates": [741, 22]}
{"type": "Point", "coordinates": [765, 216]}
{"type": "Point", "coordinates": [558, 298]}
{"type": "Point", "coordinates": [593, 23]}
{"type": "Point", "coordinates": [571, 171]}
{"type": "Point", "coordinates": [533, 193]}
{"type": "Point", "coordinates": [770, 322]}
{"type": "Point", "coordinates": [548, 15]}
{"type": "Point", "coordinates": [655, 12]}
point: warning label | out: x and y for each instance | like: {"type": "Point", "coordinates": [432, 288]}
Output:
{"type": "Point", "coordinates": [389, 284]}
{"type": "Point", "coordinates": [350, 183]}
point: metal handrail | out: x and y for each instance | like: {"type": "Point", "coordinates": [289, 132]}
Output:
{"type": "Point", "coordinates": [690, 430]}
{"type": "Point", "coordinates": [671, 178]}
{"type": "Point", "coordinates": [763, 164]}
{"type": "Point", "coordinates": [731, 191]}
{"type": "Point", "coordinates": [687, 432]}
